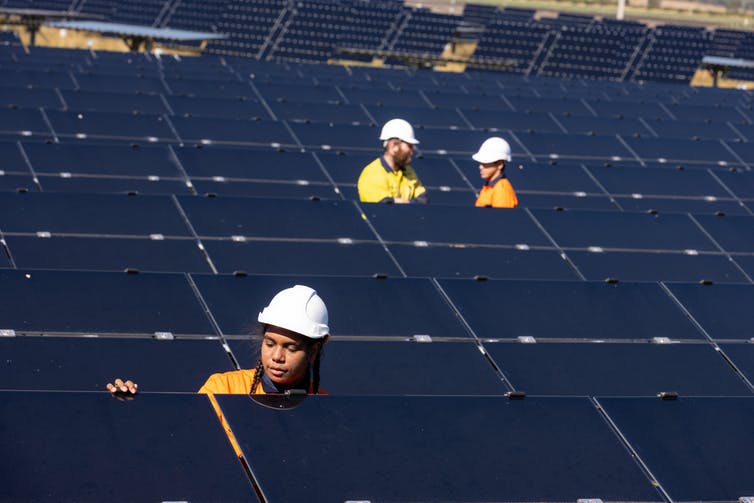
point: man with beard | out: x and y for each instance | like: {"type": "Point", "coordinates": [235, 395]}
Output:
{"type": "Point", "coordinates": [390, 178]}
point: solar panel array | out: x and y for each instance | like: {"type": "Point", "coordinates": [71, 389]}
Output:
{"type": "Point", "coordinates": [143, 231]}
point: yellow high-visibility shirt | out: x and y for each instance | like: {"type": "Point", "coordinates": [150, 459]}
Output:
{"type": "Point", "coordinates": [378, 182]}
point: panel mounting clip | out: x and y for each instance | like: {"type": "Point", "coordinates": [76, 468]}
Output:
{"type": "Point", "coordinates": [661, 340]}
{"type": "Point", "coordinates": [422, 338]}
{"type": "Point", "coordinates": [589, 500]}
{"type": "Point", "coordinates": [526, 339]}
{"type": "Point", "coordinates": [668, 395]}
{"type": "Point", "coordinates": [7, 332]}
{"type": "Point", "coordinates": [515, 395]}
{"type": "Point", "coordinates": [164, 336]}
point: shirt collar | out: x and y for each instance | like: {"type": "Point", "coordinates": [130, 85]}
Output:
{"type": "Point", "coordinates": [491, 183]}
{"type": "Point", "coordinates": [387, 167]}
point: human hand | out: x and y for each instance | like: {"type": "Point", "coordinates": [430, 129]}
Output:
{"type": "Point", "coordinates": [122, 387]}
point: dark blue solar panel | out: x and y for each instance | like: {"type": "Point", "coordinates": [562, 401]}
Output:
{"type": "Point", "coordinates": [680, 150]}
{"type": "Point", "coordinates": [112, 101]}
{"type": "Point", "coordinates": [742, 356]}
{"type": "Point", "coordinates": [747, 263]}
{"type": "Point", "coordinates": [734, 233]}
{"type": "Point", "coordinates": [743, 151]}
{"type": "Point", "coordinates": [530, 176]}
{"type": "Point", "coordinates": [115, 160]}
{"type": "Point", "coordinates": [688, 112]}
{"type": "Point", "coordinates": [467, 262]}
{"type": "Point", "coordinates": [693, 446]}
{"type": "Point", "coordinates": [390, 368]}
{"type": "Point", "coordinates": [602, 125]}
{"type": "Point", "coordinates": [110, 125]}
{"type": "Point", "coordinates": [516, 121]}
{"type": "Point", "coordinates": [550, 145]}
{"type": "Point", "coordinates": [454, 141]}
{"type": "Point", "coordinates": [276, 91]}
{"type": "Point", "coordinates": [650, 266]}
{"type": "Point", "coordinates": [23, 122]}
{"type": "Point", "coordinates": [101, 185]}
{"type": "Point", "coordinates": [533, 436]}
{"type": "Point", "coordinates": [741, 183]}
{"type": "Point", "coordinates": [13, 161]}
{"type": "Point", "coordinates": [12, 97]}
{"type": "Point", "coordinates": [220, 130]}
{"type": "Point", "coordinates": [119, 83]}
{"type": "Point", "coordinates": [46, 79]}
{"type": "Point", "coordinates": [55, 363]}
{"type": "Point", "coordinates": [438, 172]}
{"type": "Point", "coordinates": [17, 183]}
{"type": "Point", "coordinates": [568, 310]}
{"type": "Point", "coordinates": [680, 205]}
{"type": "Point", "coordinates": [394, 307]}
{"type": "Point", "coordinates": [337, 136]}
{"type": "Point", "coordinates": [172, 444]}
{"type": "Point", "coordinates": [627, 109]}
{"type": "Point", "coordinates": [107, 254]}
{"type": "Point", "coordinates": [565, 201]}
{"type": "Point", "coordinates": [90, 214]}
{"type": "Point", "coordinates": [388, 97]}
{"type": "Point", "coordinates": [266, 257]}
{"type": "Point", "coordinates": [418, 117]}
{"type": "Point", "coordinates": [231, 88]}
{"type": "Point", "coordinates": [319, 112]}
{"type": "Point", "coordinates": [692, 129]}
{"type": "Point", "coordinates": [723, 311]}
{"type": "Point", "coordinates": [658, 182]}
{"type": "Point", "coordinates": [613, 369]}
{"type": "Point", "coordinates": [249, 163]}
{"type": "Point", "coordinates": [226, 216]}
{"type": "Point", "coordinates": [546, 105]}
{"type": "Point", "coordinates": [438, 224]}
{"type": "Point", "coordinates": [623, 230]}
{"type": "Point", "coordinates": [346, 166]}
{"type": "Point", "coordinates": [229, 108]}
{"type": "Point", "coordinates": [266, 189]}
{"type": "Point", "coordinates": [99, 302]}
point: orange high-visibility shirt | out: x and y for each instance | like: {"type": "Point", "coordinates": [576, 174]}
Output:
{"type": "Point", "coordinates": [501, 195]}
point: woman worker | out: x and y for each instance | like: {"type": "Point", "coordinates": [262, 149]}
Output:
{"type": "Point", "coordinates": [497, 191]}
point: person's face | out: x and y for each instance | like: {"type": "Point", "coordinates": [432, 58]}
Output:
{"type": "Point", "coordinates": [402, 152]}
{"type": "Point", "coordinates": [490, 170]}
{"type": "Point", "coordinates": [286, 355]}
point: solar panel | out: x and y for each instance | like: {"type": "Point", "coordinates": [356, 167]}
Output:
{"type": "Point", "coordinates": [681, 150]}
{"type": "Point", "coordinates": [337, 136]}
{"type": "Point", "coordinates": [445, 224]}
{"type": "Point", "coordinates": [740, 183]}
{"type": "Point", "coordinates": [530, 455]}
{"type": "Point", "coordinates": [390, 368]}
{"type": "Point", "coordinates": [652, 266]}
{"type": "Point", "coordinates": [286, 257]}
{"type": "Point", "coordinates": [23, 122]}
{"type": "Point", "coordinates": [54, 363]}
{"type": "Point", "coordinates": [126, 101]}
{"type": "Point", "coordinates": [516, 121]}
{"type": "Point", "coordinates": [547, 105]}
{"type": "Point", "coordinates": [693, 446]}
{"type": "Point", "coordinates": [586, 229]}
{"type": "Point", "coordinates": [469, 261]}
{"type": "Point", "coordinates": [692, 129]}
{"type": "Point", "coordinates": [157, 437]}
{"type": "Point", "coordinates": [734, 233]}
{"type": "Point", "coordinates": [438, 172]}
{"type": "Point", "coordinates": [216, 88]}
{"type": "Point", "coordinates": [103, 184]}
{"type": "Point", "coordinates": [498, 309]}
{"type": "Point", "coordinates": [418, 117]}
{"type": "Point", "coordinates": [90, 214]}
{"type": "Point", "coordinates": [742, 356]}
{"type": "Point", "coordinates": [112, 160]}
{"type": "Point", "coordinates": [710, 205]}
{"type": "Point", "coordinates": [345, 167]}
{"type": "Point", "coordinates": [276, 91]}
{"type": "Point", "coordinates": [298, 220]}
{"type": "Point", "coordinates": [723, 311]}
{"type": "Point", "coordinates": [11, 97]}
{"type": "Point", "coordinates": [553, 146]}
{"type": "Point", "coordinates": [110, 125]}
{"type": "Point", "coordinates": [358, 307]}
{"type": "Point", "coordinates": [602, 125]}
{"type": "Point", "coordinates": [611, 369]}
{"type": "Point", "coordinates": [572, 201]}
{"type": "Point", "coordinates": [319, 112]}
{"type": "Point", "coordinates": [17, 183]}
{"type": "Point", "coordinates": [100, 303]}
{"type": "Point", "coordinates": [453, 141]}
{"type": "Point", "coordinates": [371, 96]}
{"type": "Point", "coordinates": [167, 255]}
{"type": "Point", "coordinates": [277, 190]}
{"type": "Point", "coordinates": [229, 108]}
{"type": "Point", "coordinates": [207, 130]}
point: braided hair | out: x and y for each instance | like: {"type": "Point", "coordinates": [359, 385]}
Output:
{"type": "Point", "coordinates": [258, 371]}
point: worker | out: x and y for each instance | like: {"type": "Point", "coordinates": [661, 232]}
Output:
{"type": "Point", "coordinates": [497, 190]}
{"type": "Point", "coordinates": [295, 327]}
{"type": "Point", "coordinates": [390, 178]}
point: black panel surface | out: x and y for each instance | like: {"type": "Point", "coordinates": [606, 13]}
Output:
{"type": "Point", "coordinates": [531, 450]}
{"type": "Point", "coordinates": [658, 182]}
{"type": "Point", "coordinates": [733, 232]}
{"type": "Point", "coordinates": [638, 266]}
{"type": "Point", "coordinates": [394, 307]}
{"type": "Point", "coordinates": [99, 302]}
{"type": "Point", "coordinates": [695, 447]}
{"type": "Point", "coordinates": [565, 309]}
{"type": "Point", "coordinates": [229, 216]}
{"type": "Point", "coordinates": [107, 254]}
{"type": "Point", "coordinates": [723, 311]}
{"type": "Point", "coordinates": [390, 368]}
{"type": "Point", "coordinates": [623, 230]}
{"type": "Point", "coordinates": [212, 129]}
{"type": "Point", "coordinates": [614, 369]}
{"type": "Point", "coordinates": [680, 150]}
{"type": "Point", "coordinates": [88, 364]}
{"type": "Point", "coordinates": [467, 262]}
{"type": "Point", "coordinates": [409, 223]}
{"type": "Point", "coordinates": [102, 185]}
{"type": "Point", "coordinates": [90, 214]}
{"type": "Point", "coordinates": [742, 356]}
{"type": "Point", "coordinates": [290, 257]}
{"type": "Point", "coordinates": [680, 205]}
{"type": "Point", "coordinates": [81, 447]}
{"type": "Point", "coordinates": [110, 125]}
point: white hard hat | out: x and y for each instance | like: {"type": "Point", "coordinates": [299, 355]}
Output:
{"type": "Point", "coordinates": [298, 309]}
{"type": "Point", "coordinates": [492, 150]}
{"type": "Point", "coordinates": [398, 128]}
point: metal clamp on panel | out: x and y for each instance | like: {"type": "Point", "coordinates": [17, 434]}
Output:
{"type": "Point", "coordinates": [164, 336]}
{"type": "Point", "coordinates": [668, 395]}
{"type": "Point", "coordinates": [526, 339]}
{"type": "Point", "coordinates": [515, 395]}
{"type": "Point", "coordinates": [240, 274]}
{"type": "Point", "coordinates": [7, 332]}
{"type": "Point", "coordinates": [746, 499]}
{"type": "Point", "coordinates": [661, 340]}
{"type": "Point", "coordinates": [589, 500]}
{"type": "Point", "coordinates": [422, 338]}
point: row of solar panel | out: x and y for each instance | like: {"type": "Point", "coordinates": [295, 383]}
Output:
{"type": "Point", "coordinates": [550, 449]}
